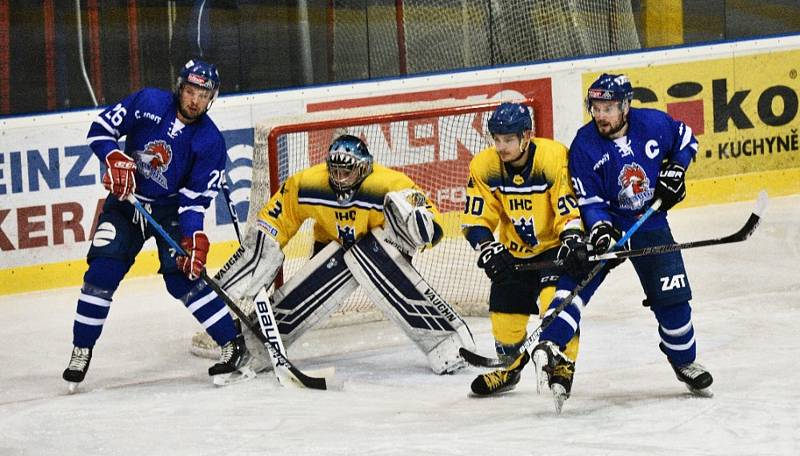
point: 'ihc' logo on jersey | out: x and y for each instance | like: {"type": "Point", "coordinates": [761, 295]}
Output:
{"type": "Point", "coordinates": [635, 188]}
{"type": "Point", "coordinates": [347, 234]}
{"type": "Point", "coordinates": [671, 283]}
{"type": "Point", "coordinates": [154, 161]}
{"type": "Point", "coordinates": [524, 228]}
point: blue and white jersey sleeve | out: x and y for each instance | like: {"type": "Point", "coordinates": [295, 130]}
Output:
{"type": "Point", "coordinates": [110, 125]}
{"type": "Point", "coordinates": [588, 185]}
{"type": "Point", "coordinates": [685, 145]}
{"type": "Point", "coordinates": [202, 182]}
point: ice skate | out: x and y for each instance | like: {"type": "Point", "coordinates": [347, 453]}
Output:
{"type": "Point", "coordinates": [554, 372]}
{"type": "Point", "coordinates": [78, 366]}
{"type": "Point", "coordinates": [234, 364]}
{"type": "Point", "coordinates": [501, 380]}
{"type": "Point", "coordinates": [696, 378]}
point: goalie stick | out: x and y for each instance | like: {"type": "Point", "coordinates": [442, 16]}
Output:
{"type": "Point", "coordinates": [272, 345]}
{"type": "Point", "coordinates": [744, 232]}
{"type": "Point", "coordinates": [482, 361]}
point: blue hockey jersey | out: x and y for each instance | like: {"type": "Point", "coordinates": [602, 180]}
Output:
{"type": "Point", "coordinates": [176, 164]}
{"type": "Point", "coordinates": [616, 179]}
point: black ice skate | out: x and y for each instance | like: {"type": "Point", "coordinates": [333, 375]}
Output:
{"type": "Point", "coordinates": [78, 365]}
{"type": "Point", "coordinates": [501, 380]}
{"type": "Point", "coordinates": [696, 378]}
{"type": "Point", "coordinates": [554, 372]}
{"type": "Point", "coordinates": [233, 365]}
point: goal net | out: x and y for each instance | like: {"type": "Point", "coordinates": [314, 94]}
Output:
{"type": "Point", "coordinates": [431, 142]}
{"type": "Point", "coordinates": [384, 38]}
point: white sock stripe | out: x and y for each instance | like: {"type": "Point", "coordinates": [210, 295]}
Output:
{"type": "Point", "coordinates": [677, 332]}
{"type": "Point", "coordinates": [89, 321]}
{"type": "Point", "coordinates": [202, 301]}
{"type": "Point", "coordinates": [577, 301]}
{"type": "Point", "coordinates": [94, 300]}
{"type": "Point", "coordinates": [679, 347]}
{"type": "Point", "coordinates": [215, 318]}
{"type": "Point", "coordinates": [570, 321]}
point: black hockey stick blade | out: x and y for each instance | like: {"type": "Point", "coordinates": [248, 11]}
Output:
{"type": "Point", "coordinates": [744, 232]}
{"type": "Point", "coordinates": [480, 360]}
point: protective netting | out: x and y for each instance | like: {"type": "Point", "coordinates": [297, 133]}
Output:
{"type": "Point", "coordinates": [379, 38]}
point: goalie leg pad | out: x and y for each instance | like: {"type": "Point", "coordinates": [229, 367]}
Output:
{"type": "Point", "coordinates": [252, 267]}
{"type": "Point", "coordinates": [399, 291]}
{"type": "Point", "coordinates": [313, 293]}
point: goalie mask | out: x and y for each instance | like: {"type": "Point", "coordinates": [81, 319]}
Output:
{"type": "Point", "coordinates": [349, 163]}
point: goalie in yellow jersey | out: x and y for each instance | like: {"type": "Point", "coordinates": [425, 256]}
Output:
{"type": "Point", "coordinates": [369, 220]}
{"type": "Point", "coordinates": [520, 187]}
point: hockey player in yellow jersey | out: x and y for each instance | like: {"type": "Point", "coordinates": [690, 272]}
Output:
{"type": "Point", "coordinates": [369, 220]}
{"type": "Point", "coordinates": [341, 212]}
{"type": "Point", "coordinates": [520, 187]}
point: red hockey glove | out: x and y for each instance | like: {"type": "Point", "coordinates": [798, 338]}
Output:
{"type": "Point", "coordinates": [196, 248]}
{"type": "Point", "coordinates": [120, 178]}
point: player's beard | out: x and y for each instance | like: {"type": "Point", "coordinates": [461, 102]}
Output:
{"type": "Point", "coordinates": [614, 129]}
{"type": "Point", "coordinates": [190, 118]}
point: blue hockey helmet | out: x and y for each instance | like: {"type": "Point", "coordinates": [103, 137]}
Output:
{"type": "Point", "coordinates": [610, 87]}
{"type": "Point", "coordinates": [200, 74]}
{"type": "Point", "coordinates": [510, 118]}
{"type": "Point", "coordinates": [349, 163]}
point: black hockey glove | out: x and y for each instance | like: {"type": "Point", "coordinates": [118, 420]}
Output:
{"type": "Point", "coordinates": [602, 237]}
{"type": "Point", "coordinates": [671, 186]}
{"type": "Point", "coordinates": [574, 252]}
{"type": "Point", "coordinates": [496, 261]}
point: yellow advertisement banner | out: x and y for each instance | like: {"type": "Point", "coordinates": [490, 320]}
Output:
{"type": "Point", "coordinates": [743, 109]}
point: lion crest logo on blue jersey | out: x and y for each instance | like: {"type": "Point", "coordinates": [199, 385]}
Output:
{"type": "Point", "coordinates": [634, 186]}
{"type": "Point", "coordinates": [154, 160]}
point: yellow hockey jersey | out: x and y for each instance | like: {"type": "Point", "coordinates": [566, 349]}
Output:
{"type": "Point", "coordinates": [307, 195]}
{"type": "Point", "coordinates": [529, 209]}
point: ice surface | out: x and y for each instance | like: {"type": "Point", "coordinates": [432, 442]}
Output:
{"type": "Point", "coordinates": [145, 394]}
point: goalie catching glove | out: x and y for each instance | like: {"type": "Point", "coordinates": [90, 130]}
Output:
{"type": "Point", "coordinates": [409, 224]}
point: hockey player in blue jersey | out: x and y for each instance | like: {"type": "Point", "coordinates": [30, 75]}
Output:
{"type": "Point", "coordinates": [621, 162]}
{"type": "Point", "coordinates": [173, 162]}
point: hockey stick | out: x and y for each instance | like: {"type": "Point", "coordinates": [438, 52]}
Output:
{"type": "Point", "coordinates": [226, 192]}
{"type": "Point", "coordinates": [278, 357]}
{"type": "Point", "coordinates": [482, 361]}
{"type": "Point", "coordinates": [744, 232]}
{"type": "Point", "coordinates": [265, 315]}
